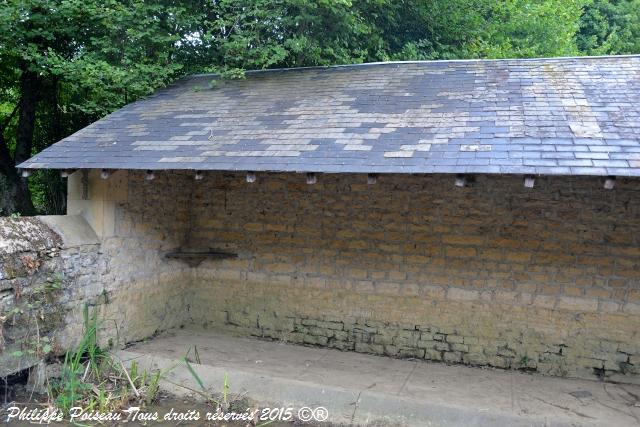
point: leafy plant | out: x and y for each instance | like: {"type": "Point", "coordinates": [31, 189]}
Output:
{"type": "Point", "coordinates": [92, 378]}
{"type": "Point", "coordinates": [610, 27]}
{"type": "Point", "coordinates": [194, 374]}
{"type": "Point", "coordinates": [87, 356]}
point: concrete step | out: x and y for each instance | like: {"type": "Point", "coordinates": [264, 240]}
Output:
{"type": "Point", "coordinates": [359, 389]}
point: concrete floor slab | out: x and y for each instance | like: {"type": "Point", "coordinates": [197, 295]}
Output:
{"type": "Point", "coordinates": [361, 389]}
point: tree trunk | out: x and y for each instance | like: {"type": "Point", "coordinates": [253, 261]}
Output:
{"type": "Point", "coordinates": [14, 193]}
{"type": "Point", "coordinates": [29, 94]}
{"type": "Point", "coordinates": [14, 190]}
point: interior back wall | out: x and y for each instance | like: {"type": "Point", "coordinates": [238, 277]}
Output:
{"type": "Point", "coordinates": [545, 279]}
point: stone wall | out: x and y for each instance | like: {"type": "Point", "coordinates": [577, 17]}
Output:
{"type": "Point", "coordinates": [146, 293]}
{"type": "Point", "coordinates": [39, 282]}
{"type": "Point", "coordinates": [52, 267]}
{"type": "Point", "coordinates": [544, 279]}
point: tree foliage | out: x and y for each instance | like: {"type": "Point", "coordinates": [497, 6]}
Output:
{"type": "Point", "coordinates": [66, 63]}
{"type": "Point", "coordinates": [610, 27]}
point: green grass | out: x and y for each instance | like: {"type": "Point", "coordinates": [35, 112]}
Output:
{"type": "Point", "coordinates": [93, 379]}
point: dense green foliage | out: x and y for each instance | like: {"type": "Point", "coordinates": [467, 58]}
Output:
{"type": "Point", "coordinates": [610, 27]}
{"type": "Point", "coordinates": [65, 63]}
{"type": "Point", "coordinates": [249, 34]}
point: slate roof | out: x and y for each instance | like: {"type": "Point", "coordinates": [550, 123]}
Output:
{"type": "Point", "coordinates": [566, 116]}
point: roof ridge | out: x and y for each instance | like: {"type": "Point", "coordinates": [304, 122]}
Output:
{"type": "Point", "coordinates": [430, 61]}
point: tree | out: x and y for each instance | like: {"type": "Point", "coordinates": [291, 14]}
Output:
{"type": "Point", "coordinates": [66, 63]}
{"type": "Point", "coordinates": [610, 27]}
{"type": "Point", "coordinates": [444, 29]}
{"type": "Point", "coordinates": [247, 34]}
{"type": "Point", "coordinates": [234, 35]}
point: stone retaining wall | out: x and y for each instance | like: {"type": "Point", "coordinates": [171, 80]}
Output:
{"type": "Point", "coordinates": [39, 284]}
{"type": "Point", "coordinates": [52, 267]}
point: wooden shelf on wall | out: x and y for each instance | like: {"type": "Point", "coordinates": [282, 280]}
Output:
{"type": "Point", "coordinates": [194, 258]}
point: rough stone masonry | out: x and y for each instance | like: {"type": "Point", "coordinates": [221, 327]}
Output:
{"type": "Point", "coordinates": [545, 279]}
{"type": "Point", "coordinates": [493, 274]}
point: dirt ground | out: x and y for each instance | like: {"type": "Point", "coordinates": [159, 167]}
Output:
{"type": "Point", "coordinates": [20, 396]}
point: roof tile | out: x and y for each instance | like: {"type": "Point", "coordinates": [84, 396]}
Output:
{"type": "Point", "coordinates": [553, 116]}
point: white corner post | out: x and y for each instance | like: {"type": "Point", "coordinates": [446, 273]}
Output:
{"type": "Point", "coordinates": [95, 198]}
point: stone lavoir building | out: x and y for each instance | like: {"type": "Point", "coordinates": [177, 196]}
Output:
{"type": "Point", "coordinates": [473, 212]}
